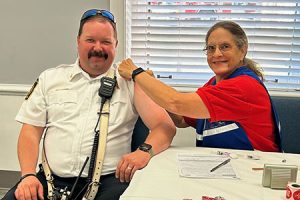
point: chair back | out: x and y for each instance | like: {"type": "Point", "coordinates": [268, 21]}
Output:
{"type": "Point", "coordinates": [288, 110]}
{"type": "Point", "coordinates": [140, 133]}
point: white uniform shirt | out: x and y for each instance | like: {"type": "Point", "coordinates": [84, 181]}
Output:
{"type": "Point", "coordinates": [66, 102]}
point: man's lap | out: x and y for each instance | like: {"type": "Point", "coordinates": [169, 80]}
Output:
{"type": "Point", "coordinates": [110, 188]}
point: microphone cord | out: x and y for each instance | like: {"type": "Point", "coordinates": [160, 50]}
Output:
{"type": "Point", "coordinates": [95, 144]}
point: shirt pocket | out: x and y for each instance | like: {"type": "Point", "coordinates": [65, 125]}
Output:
{"type": "Point", "coordinates": [61, 105]}
{"type": "Point", "coordinates": [117, 110]}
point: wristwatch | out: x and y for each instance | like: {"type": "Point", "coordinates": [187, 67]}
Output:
{"type": "Point", "coordinates": [136, 72]}
{"type": "Point", "coordinates": [147, 148]}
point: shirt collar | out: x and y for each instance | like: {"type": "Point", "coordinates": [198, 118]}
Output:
{"type": "Point", "coordinates": [76, 70]}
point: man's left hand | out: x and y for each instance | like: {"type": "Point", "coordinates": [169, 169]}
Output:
{"type": "Point", "coordinates": [131, 162]}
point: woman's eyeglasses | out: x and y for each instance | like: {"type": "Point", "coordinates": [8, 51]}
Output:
{"type": "Point", "coordinates": [211, 49]}
{"type": "Point", "coordinates": [94, 12]}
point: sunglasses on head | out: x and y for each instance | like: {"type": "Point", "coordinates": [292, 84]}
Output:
{"type": "Point", "coordinates": [94, 12]}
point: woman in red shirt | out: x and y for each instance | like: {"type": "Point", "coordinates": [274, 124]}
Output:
{"type": "Point", "coordinates": [233, 109]}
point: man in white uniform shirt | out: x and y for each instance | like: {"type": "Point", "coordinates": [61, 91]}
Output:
{"type": "Point", "coordinates": [64, 104]}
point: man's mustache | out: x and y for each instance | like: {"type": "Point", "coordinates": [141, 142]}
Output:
{"type": "Point", "coordinates": [99, 54]}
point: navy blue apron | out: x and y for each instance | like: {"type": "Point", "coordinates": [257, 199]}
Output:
{"type": "Point", "coordinates": [229, 134]}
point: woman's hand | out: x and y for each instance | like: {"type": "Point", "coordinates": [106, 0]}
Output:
{"type": "Point", "coordinates": [125, 68]}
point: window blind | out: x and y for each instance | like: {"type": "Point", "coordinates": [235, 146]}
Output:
{"type": "Point", "coordinates": [168, 37]}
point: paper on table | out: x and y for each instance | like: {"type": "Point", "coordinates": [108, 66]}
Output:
{"type": "Point", "coordinates": [199, 166]}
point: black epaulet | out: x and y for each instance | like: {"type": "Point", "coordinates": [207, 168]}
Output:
{"type": "Point", "coordinates": [32, 89]}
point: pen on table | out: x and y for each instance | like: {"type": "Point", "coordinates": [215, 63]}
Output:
{"type": "Point", "coordinates": [257, 168]}
{"type": "Point", "coordinates": [220, 165]}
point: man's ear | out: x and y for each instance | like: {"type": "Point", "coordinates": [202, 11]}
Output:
{"type": "Point", "coordinates": [78, 40]}
{"type": "Point", "coordinates": [117, 43]}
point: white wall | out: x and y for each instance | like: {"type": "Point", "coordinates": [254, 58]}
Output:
{"type": "Point", "coordinates": [9, 131]}
{"type": "Point", "coordinates": [117, 7]}
{"type": "Point", "coordinates": [36, 35]}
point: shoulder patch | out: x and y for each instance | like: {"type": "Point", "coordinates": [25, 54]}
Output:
{"type": "Point", "coordinates": [32, 89]}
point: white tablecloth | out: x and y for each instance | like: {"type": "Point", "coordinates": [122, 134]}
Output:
{"type": "Point", "coordinates": [160, 179]}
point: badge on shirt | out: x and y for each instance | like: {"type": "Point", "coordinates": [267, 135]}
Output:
{"type": "Point", "coordinates": [32, 89]}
